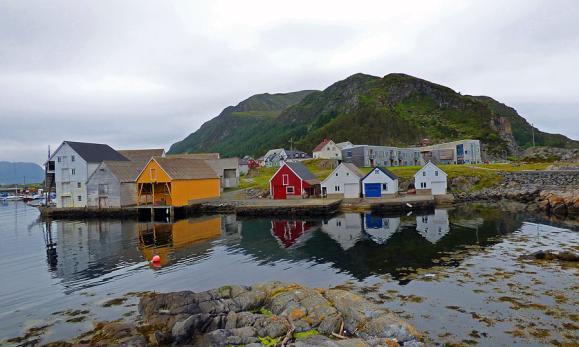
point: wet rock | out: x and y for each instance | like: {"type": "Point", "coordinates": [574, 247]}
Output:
{"type": "Point", "coordinates": [551, 255]}
{"type": "Point", "coordinates": [265, 313]}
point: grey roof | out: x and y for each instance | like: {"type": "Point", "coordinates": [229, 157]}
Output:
{"type": "Point", "coordinates": [296, 154]}
{"type": "Point", "coordinates": [125, 171]}
{"type": "Point", "coordinates": [95, 152]}
{"type": "Point", "coordinates": [185, 168]}
{"type": "Point", "coordinates": [384, 170]}
{"type": "Point", "coordinates": [354, 169]}
{"type": "Point", "coordinates": [302, 171]}
{"type": "Point", "coordinates": [141, 155]}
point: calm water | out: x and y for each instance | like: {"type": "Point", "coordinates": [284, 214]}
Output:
{"type": "Point", "coordinates": [50, 267]}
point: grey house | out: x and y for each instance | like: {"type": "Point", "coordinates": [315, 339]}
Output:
{"type": "Point", "coordinates": [112, 184]}
{"type": "Point", "coordinates": [370, 156]}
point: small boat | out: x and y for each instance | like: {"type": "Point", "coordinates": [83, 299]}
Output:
{"type": "Point", "coordinates": [12, 198]}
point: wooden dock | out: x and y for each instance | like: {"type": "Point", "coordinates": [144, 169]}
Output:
{"type": "Point", "coordinates": [256, 207]}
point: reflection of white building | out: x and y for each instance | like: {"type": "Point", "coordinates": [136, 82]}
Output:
{"type": "Point", "coordinates": [433, 227]}
{"type": "Point", "coordinates": [380, 229]}
{"type": "Point", "coordinates": [345, 229]}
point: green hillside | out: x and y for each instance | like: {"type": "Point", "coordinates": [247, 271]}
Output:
{"type": "Point", "coordinates": [394, 110]}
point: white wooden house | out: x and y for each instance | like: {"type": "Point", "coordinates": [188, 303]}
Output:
{"type": "Point", "coordinates": [344, 182]}
{"type": "Point", "coordinates": [327, 149]}
{"type": "Point", "coordinates": [71, 165]}
{"type": "Point", "coordinates": [379, 183]}
{"type": "Point", "coordinates": [430, 179]}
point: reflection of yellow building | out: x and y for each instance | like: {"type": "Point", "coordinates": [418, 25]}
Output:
{"type": "Point", "coordinates": [163, 239]}
{"type": "Point", "coordinates": [176, 182]}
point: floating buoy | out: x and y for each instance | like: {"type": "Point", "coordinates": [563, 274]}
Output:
{"type": "Point", "coordinates": [156, 259]}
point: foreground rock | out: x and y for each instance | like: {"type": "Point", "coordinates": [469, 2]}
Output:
{"type": "Point", "coordinates": [266, 314]}
{"type": "Point", "coordinates": [552, 255]}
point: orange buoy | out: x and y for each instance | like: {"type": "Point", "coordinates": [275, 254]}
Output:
{"type": "Point", "coordinates": [156, 259]}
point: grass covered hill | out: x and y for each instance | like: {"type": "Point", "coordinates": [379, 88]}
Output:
{"type": "Point", "coordinates": [397, 109]}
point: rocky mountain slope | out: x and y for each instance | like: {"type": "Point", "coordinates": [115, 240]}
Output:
{"type": "Point", "coordinates": [397, 109]}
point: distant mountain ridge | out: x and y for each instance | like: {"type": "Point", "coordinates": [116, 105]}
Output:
{"type": "Point", "coordinates": [397, 109]}
{"type": "Point", "coordinates": [19, 173]}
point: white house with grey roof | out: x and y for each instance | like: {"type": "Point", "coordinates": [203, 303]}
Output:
{"type": "Point", "coordinates": [343, 182]}
{"type": "Point", "coordinates": [379, 183]}
{"type": "Point", "coordinates": [430, 179]}
{"type": "Point", "coordinates": [71, 165]}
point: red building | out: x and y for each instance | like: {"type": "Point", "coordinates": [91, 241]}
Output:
{"type": "Point", "coordinates": [294, 181]}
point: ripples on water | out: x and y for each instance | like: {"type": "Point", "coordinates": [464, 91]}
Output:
{"type": "Point", "coordinates": [59, 265]}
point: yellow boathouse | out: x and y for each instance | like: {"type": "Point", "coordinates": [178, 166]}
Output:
{"type": "Point", "coordinates": [176, 182]}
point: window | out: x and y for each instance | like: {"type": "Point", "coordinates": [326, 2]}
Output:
{"type": "Point", "coordinates": [349, 154]}
{"type": "Point", "coordinates": [72, 158]}
{"type": "Point", "coordinates": [336, 174]}
{"type": "Point", "coordinates": [336, 188]}
{"type": "Point", "coordinates": [436, 173]}
{"type": "Point", "coordinates": [376, 171]}
{"type": "Point", "coordinates": [347, 174]}
{"type": "Point", "coordinates": [384, 186]}
{"type": "Point", "coordinates": [289, 189]}
{"type": "Point", "coordinates": [79, 198]}
{"type": "Point", "coordinates": [153, 174]}
{"type": "Point", "coordinates": [285, 179]}
{"type": "Point", "coordinates": [424, 173]}
{"type": "Point", "coordinates": [73, 171]}
{"type": "Point", "coordinates": [58, 159]}
{"type": "Point", "coordinates": [78, 184]}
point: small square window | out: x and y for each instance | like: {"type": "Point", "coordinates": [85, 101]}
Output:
{"type": "Point", "coordinates": [73, 171]}
{"type": "Point", "coordinates": [289, 189]}
{"type": "Point", "coordinates": [79, 198]}
{"type": "Point", "coordinates": [384, 186]}
{"type": "Point", "coordinates": [423, 173]}
{"type": "Point", "coordinates": [72, 158]}
{"type": "Point", "coordinates": [435, 173]}
{"type": "Point", "coordinates": [78, 184]}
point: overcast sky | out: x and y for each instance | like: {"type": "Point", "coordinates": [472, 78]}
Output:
{"type": "Point", "coordinates": [147, 73]}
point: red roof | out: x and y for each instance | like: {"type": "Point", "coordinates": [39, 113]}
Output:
{"type": "Point", "coordinates": [321, 145]}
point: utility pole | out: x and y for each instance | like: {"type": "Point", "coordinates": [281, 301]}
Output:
{"type": "Point", "coordinates": [533, 132]}
{"type": "Point", "coordinates": [291, 143]}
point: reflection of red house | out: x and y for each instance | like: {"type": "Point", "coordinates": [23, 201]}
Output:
{"type": "Point", "coordinates": [294, 180]}
{"type": "Point", "coordinates": [289, 232]}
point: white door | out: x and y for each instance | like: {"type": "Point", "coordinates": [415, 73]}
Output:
{"type": "Point", "coordinates": [438, 188]}
{"type": "Point", "coordinates": [351, 190]}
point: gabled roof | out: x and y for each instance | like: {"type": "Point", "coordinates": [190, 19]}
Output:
{"type": "Point", "coordinates": [141, 155]}
{"type": "Point", "coordinates": [384, 170]}
{"type": "Point", "coordinates": [430, 164]}
{"type": "Point", "coordinates": [296, 154]}
{"type": "Point", "coordinates": [95, 152]}
{"type": "Point", "coordinates": [301, 171]}
{"type": "Point", "coordinates": [195, 155]}
{"type": "Point", "coordinates": [354, 169]}
{"type": "Point", "coordinates": [321, 145]}
{"type": "Point", "coordinates": [124, 171]}
{"type": "Point", "coordinates": [185, 168]}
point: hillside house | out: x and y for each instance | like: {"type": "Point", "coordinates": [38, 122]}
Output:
{"type": "Point", "coordinates": [327, 149]}
{"type": "Point", "coordinates": [379, 183]}
{"type": "Point", "coordinates": [343, 182]}
{"type": "Point", "coordinates": [430, 179]}
{"type": "Point", "coordinates": [70, 166]}
{"type": "Point", "coordinates": [294, 181]}
{"type": "Point", "coordinates": [274, 157]}
{"type": "Point", "coordinates": [112, 184]}
{"type": "Point", "coordinates": [168, 181]}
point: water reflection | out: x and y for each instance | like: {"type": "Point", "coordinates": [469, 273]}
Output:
{"type": "Point", "coordinates": [359, 244]}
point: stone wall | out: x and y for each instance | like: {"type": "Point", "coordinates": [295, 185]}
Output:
{"type": "Point", "coordinates": [542, 179]}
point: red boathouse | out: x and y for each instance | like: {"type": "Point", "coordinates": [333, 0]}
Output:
{"type": "Point", "coordinates": [293, 181]}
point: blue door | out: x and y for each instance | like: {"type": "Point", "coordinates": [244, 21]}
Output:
{"type": "Point", "coordinates": [373, 190]}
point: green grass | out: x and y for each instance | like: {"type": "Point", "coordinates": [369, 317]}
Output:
{"type": "Point", "coordinates": [485, 173]}
{"type": "Point", "coordinates": [264, 114]}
